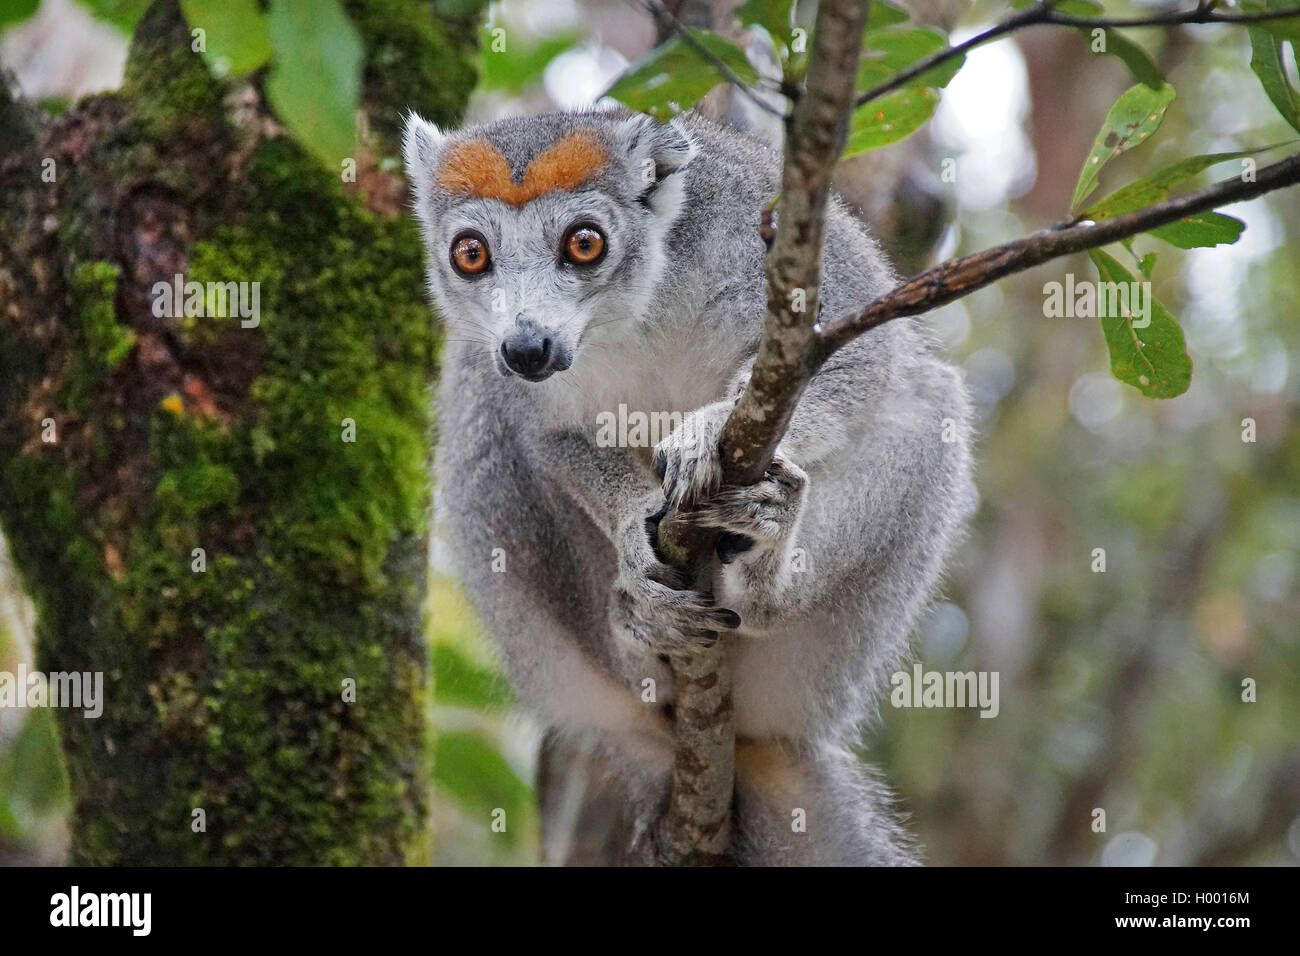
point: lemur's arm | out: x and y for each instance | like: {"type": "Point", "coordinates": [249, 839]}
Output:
{"type": "Point", "coordinates": [885, 458]}
{"type": "Point", "coordinates": [606, 483]}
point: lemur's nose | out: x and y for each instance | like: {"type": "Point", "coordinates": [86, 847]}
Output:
{"type": "Point", "coordinates": [527, 352]}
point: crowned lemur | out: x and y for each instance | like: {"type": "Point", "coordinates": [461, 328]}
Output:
{"type": "Point", "coordinates": [595, 264]}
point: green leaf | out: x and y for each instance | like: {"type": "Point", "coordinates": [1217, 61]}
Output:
{"type": "Point", "coordinates": [1202, 229]}
{"type": "Point", "coordinates": [235, 40]}
{"type": "Point", "coordinates": [1288, 29]}
{"type": "Point", "coordinates": [772, 15]}
{"type": "Point", "coordinates": [882, 14]}
{"type": "Point", "coordinates": [888, 51]}
{"type": "Point", "coordinates": [316, 82]}
{"type": "Point", "coordinates": [889, 119]}
{"type": "Point", "coordinates": [32, 774]}
{"type": "Point", "coordinates": [511, 70]}
{"type": "Point", "coordinates": [1151, 357]}
{"type": "Point", "coordinates": [471, 769]}
{"type": "Point", "coordinates": [1148, 264]}
{"type": "Point", "coordinates": [1079, 8]}
{"type": "Point", "coordinates": [16, 11]}
{"type": "Point", "coordinates": [901, 113]}
{"type": "Point", "coordinates": [1134, 57]}
{"type": "Point", "coordinates": [1135, 116]}
{"type": "Point", "coordinates": [1157, 186]}
{"type": "Point", "coordinates": [673, 74]}
{"type": "Point", "coordinates": [459, 681]}
{"type": "Point", "coordinates": [123, 14]}
{"type": "Point", "coordinates": [1266, 60]}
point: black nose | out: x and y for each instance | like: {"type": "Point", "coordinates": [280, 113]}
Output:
{"type": "Point", "coordinates": [527, 352]}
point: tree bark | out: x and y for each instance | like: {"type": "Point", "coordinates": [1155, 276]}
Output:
{"type": "Point", "coordinates": [225, 687]}
{"type": "Point", "coordinates": [697, 825]}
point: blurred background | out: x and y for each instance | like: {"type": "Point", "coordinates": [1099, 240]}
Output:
{"type": "Point", "coordinates": [1120, 690]}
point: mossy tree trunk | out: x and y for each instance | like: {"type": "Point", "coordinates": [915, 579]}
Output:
{"type": "Point", "coordinates": [129, 440]}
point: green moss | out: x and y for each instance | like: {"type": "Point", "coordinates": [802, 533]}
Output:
{"type": "Point", "coordinates": [225, 686]}
{"type": "Point", "coordinates": [102, 342]}
{"type": "Point", "coordinates": [415, 61]}
{"type": "Point", "coordinates": [166, 81]}
{"type": "Point", "coordinates": [328, 587]}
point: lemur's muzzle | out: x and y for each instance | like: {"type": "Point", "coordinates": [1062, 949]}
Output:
{"type": "Point", "coordinates": [530, 351]}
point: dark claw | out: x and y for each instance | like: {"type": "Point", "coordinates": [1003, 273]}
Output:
{"type": "Point", "coordinates": [652, 527]}
{"type": "Point", "coordinates": [660, 464]}
{"type": "Point", "coordinates": [727, 618]}
{"type": "Point", "coordinates": [731, 545]}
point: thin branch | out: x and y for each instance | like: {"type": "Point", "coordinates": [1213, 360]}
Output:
{"type": "Point", "coordinates": [959, 277]}
{"type": "Point", "coordinates": [1044, 15]}
{"type": "Point", "coordinates": [696, 827]}
{"type": "Point", "coordinates": [665, 18]}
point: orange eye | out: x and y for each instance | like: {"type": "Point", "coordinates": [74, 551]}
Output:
{"type": "Point", "coordinates": [584, 245]}
{"type": "Point", "coordinates": [469, 254]}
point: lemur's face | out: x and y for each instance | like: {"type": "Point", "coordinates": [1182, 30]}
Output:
{"type": "Point", "coordinates": [540, 231]}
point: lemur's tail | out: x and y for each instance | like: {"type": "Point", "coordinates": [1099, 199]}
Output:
{"type": "Point", "coordinates": [824, 809]}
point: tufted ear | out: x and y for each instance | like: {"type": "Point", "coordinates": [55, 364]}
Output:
{"type": "Point", "coordinates": [657, 153]}
{"type": "Point", "coordinates": [422, 144]}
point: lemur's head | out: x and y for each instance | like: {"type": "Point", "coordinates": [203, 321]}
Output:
{"type": "Point", "coordinates": [541, 229]}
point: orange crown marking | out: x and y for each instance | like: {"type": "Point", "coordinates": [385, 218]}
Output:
{"type": "Point", "coordinates": [477, 168]}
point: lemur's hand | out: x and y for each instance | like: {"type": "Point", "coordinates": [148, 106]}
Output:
{"type": "Point", "coordinates": [687, 461]}
{"type": "Point", "coordinates": [652, 604]}
{"type": "Point", "coordinates": [762, 515]}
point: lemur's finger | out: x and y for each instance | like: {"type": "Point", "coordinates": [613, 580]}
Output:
{"type": "Point", "coordinates": [786, 473]}
{"type": "Point", "coordinates": [668, 576]}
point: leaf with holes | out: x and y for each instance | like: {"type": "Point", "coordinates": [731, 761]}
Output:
{"type": "Point", "coordinates": [889, 119]}
{"type": "Point", "coordinates": [1135, 116]}
{"type": "Point", "coordinates": [1154, 188]}
{"type": "Point", "coordinates": [1151, 357]}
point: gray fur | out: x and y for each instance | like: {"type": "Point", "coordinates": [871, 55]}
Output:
{"type": "Point", "coordinates": [866, 493]}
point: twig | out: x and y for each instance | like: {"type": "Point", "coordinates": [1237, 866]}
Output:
{"type": "Point", "coordinates": [960, 277]}
{"type": "Point", "coordinates": [1043, 15]}
{"type": "Point", "coordinates": [697, 825]}
{"type": "Point", "coordinates": [657, 10]}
